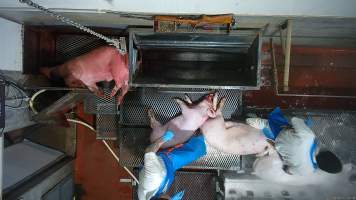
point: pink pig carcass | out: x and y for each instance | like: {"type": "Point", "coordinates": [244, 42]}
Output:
{"type": "Point", "coordinates": [101, 64]}
{"type": "Point", "coordinates": [232, 137]}
{"type": "Point", "coordinates": [183, 126]}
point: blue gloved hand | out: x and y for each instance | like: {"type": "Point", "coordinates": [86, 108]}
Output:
{"type": "Point", "coordinates": [178, 195]}
{"type": "Point", "coordinates": [168, 135]}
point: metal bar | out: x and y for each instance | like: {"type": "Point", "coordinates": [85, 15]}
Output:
{"type": "Point", "coordinates": [283, 44]}
{"type": "Point", "coordinates": [287, 55]}
{"type": "Point", "coordinates": [1, 161]}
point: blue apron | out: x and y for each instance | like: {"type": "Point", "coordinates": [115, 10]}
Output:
{"type": "Point", "coordinates": [178, 157]}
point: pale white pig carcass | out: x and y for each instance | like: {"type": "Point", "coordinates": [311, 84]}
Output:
{"type": "Point", "coordinates": [183, 126]}
{"type": "Point", "coordinates": [101, 64]}
{"type": "Point", "coordinates": [232, 137]}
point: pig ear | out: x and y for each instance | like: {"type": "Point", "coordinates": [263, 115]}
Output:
{"type": "Point", "coordinates": [182, 104]}
{"type": "Point", "coordinates": [215, 101]}
{"type": "Point", "coordinates": [221, 103]}
{"type": "Point", "coordinates": [187, 99]}
{"type": "Point", "coordinates": [212, 113]}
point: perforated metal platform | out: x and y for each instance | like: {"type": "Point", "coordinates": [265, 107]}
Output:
{"type": "Point", "coordinates": [134, 109]}
{"type": "Point", "coordinates": [134, 135]}
{"type": "Point", "coordinates": [196, 185]}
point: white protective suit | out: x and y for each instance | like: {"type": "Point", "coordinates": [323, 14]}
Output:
{"type": "Point", "coordinates": [151, 176]}
{"type": "Point", "coordinates": [296, 146]}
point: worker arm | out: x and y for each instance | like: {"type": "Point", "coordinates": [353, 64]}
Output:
{"type": "Point", "coordinates": [155, 146]}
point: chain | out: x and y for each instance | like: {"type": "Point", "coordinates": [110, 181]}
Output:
{"type": "Point", "coordinates": [119, 44]}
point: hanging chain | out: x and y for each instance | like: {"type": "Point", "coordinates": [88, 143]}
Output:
{"type": "Point", "coordinates": [120, 44]}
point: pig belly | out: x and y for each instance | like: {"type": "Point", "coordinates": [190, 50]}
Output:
{"type": "Point", "coordinates": [245, 140]}
{"type": "Point", "coordinates": [180, 136]}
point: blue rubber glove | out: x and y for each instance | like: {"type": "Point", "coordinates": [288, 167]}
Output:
{"type": "Point", "coordinates": [168, 135]}
{"type": "Point", "coordinates": [178, 195]}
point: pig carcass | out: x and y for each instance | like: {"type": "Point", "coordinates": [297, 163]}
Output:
{"type": "Point", "coordinates": [233, 137]}
{"type": "Point", "coordinates": [183, 126]}
{"type": "Point", "coordinates": [101, 64]}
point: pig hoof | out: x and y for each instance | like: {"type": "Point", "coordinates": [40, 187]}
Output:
{"type": "Point", "coordinates": [187, 99]}
{"type": "Point", "coordinates": [151, 114]}
{"type": "Point", "coordinates": [153, 122]}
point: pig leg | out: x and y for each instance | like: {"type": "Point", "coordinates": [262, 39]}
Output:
{"type": "Point", "coordinates": [94, 88]}
{"type": "Point", "coordinates": [153, 121]}
{"type": "Point", "coordinates": [120, 74]}
{"type": "Point", "coordinates": [157, 128]}
{"type": "Point", "coordinates": [124, 90]}
{"type": "Point", "coordinates": [268, 150]}
{"type": "Point", "coordinates": [188, 99]}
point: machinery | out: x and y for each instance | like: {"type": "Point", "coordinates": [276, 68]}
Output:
{"type": "Point", "coordinates": [193, 54]}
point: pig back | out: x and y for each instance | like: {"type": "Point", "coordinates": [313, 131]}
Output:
{"type": "Point", "coordinates": [248, 140]}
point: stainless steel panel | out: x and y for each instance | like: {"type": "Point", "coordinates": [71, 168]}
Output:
{"type": "Point", "coordinates": [216, 61]}
{"type": "Point", "coordinates": [243, 187]}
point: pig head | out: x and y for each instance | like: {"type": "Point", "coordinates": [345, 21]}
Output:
{"type": "Point", "coordinates": [183, 126]}
{"type": "Point", "coordinates": [101, 64]}
{"type": "Point", "coordinates": [232, 137]}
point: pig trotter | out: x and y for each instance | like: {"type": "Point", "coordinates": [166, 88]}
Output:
{"type": "Point", "coordinates": [153, 121]}
{"type": "Point", "coordinates": [187, 99]}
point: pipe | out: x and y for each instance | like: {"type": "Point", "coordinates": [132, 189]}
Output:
{"type": "Point", "coordinates": [287, 55]}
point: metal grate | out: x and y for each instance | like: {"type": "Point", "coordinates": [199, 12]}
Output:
{"type": "Point", "coordinates": [100, 105]}
{"type": "Point", "coordinates": [196, 185]}
{"type": "Point", "coordinates": [136, 103]}
{"type": "Point", "coordinates": [71, 46]}
{"type": "Point", "coordinates": [106, 126]}
{"type": "Point", "coordinates": [133, 142]}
